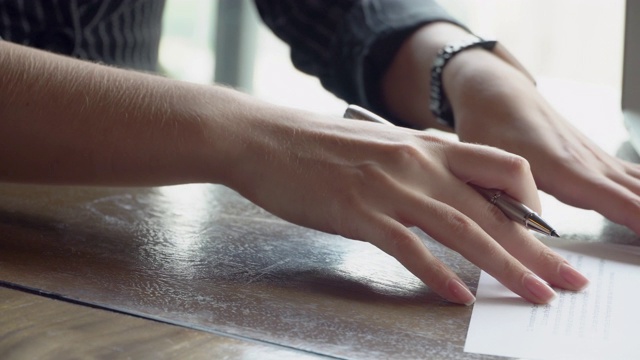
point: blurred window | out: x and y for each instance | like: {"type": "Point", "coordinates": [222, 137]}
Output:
{"type": "Point", "coordinates": [580, 40]}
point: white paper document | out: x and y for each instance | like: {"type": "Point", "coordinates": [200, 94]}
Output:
{"type": "Point", "coordinates": [601, 322]}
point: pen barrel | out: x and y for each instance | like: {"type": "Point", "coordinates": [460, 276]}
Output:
{"type": "Point", "coordinates": [515, 210]}
{"type": "Point", "coordinates": [521, 213]}
{"type": "Point", "coordinates": [511, 207]}
{"type": "Point", "coordinates": [355, 112]}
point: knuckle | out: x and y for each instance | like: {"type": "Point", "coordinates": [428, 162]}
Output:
{"type": "Point", "coordinates": [461, 224]}
{"type": "Point", "coordinates": [347, 198]}
{"type": "Point", "coordinates": [547, 257]}
{"type": "Point", "coordinates": [410, 155]}
{"type": "Point", "coordinates": [516, 165]}
{"type": "Point", "coordinates": [404, 153]}
{"type": "Point", "coordinates": [401, 243]}
{"type": "Point", "coordinates": [511, 270]}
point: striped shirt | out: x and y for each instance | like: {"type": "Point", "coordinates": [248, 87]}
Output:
{"type": "Point", "coordinates": [120, 33]}
{"type": "Point", "coordinates": [347, 44]}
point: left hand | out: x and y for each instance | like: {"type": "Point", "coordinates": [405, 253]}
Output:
{"type": "Point", "coordinates": [498, 106]}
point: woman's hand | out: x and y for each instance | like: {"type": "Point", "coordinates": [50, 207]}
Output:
{"type": "Point", "coordinates": [496, 104]}
{"type": "Point", "coordinates": [360, 180]}
{"type": "Point", "coordinates": [370, 182]}
{"type": "Point", "coordinates": [500, 107]}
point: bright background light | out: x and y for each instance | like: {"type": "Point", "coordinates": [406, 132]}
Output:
{"type": "Point", "coordinates": [578, 40]}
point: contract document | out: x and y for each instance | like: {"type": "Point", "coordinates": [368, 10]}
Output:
{"type": "Point", "coordinates": [600, 322]}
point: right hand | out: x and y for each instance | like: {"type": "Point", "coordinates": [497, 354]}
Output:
{"type": "Point", "coordinates": [369, 182]}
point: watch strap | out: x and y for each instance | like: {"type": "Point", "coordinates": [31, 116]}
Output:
{"type": "Point", "coordinates": [439, 105]}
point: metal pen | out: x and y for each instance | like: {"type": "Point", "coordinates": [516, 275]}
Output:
{"type": "Point", "coordinates": [511, 207]}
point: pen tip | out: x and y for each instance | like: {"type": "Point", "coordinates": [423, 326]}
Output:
{"type": "Point", "coordinates": [554, 234]}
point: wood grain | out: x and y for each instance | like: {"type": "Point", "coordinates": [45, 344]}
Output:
{"type": "Point", "coordinates": [201, 256]}
{"type": "Point", "coordinates": [36, 327]}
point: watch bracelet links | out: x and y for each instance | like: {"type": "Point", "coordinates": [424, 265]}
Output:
{"type": "Point", "coordinates": [439, 104]}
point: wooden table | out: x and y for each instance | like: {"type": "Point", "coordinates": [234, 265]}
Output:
{"type": "Point", "coordinates": [202, 257]}
{"type": "Point", "coordinates": [39, 327]}
{"type": "Point", "coordinates": [196, 271]}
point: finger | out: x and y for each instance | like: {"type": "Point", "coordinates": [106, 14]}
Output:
{"type": "Point", "coordinates": [460, 233]}
{"type": "Point", "coordinates": [517, 241]}
{"type": "Point", "coordinates": [613, 200]}
{"type": "Point", "coordinates": [627, 179]}
{"type": "Point", "coordinates": [632, 169]}
{"type": "Point", "coordinates": [406, 247]}
{"type": "Point", "coordinates": [493, 168]}
{"type": "Point", "coordinates": [616, 202]}
{"type": "Point", "coordinates": [623, 172]}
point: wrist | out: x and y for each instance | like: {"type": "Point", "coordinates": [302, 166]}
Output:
{"type": "Point", "coordinates": [438, 103]}
{"type": "Point", "coordinates": [234, 130]}
{"type": "Point", "coordinates": [494, 52]}
{"type": "Point", "coordinates": [490, 96]}
{"type": "Point", "coordinates": [478, 78]}
{"type": "Point", "coordinates": [406, 84]}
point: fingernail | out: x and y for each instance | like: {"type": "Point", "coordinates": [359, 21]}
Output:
{"type": "Point", "coordinates": [541, 291]}
{"type": "Point", "coordinates": [460, 292]}
{"type": "Point", "coordinates": [573, 277]}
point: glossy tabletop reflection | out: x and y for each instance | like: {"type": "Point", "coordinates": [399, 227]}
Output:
{"type": "Point", "coordinates": [203, 257]}
{"type": "Point", "coordinates": [37, 327]}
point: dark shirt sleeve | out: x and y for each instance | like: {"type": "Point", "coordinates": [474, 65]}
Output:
{"type": "Point", "coordinates": [123, 33]}
{"type": "Point", "coordinates": [348, 44]}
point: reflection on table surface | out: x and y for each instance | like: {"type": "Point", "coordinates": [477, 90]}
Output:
{"type": "Point", "coordinates": [203, 257]}
{"type": "Point", "coordinates": [234, 277]}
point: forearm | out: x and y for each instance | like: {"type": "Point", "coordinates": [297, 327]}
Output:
{"type": "Point", "coordinates": [67, 121]}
